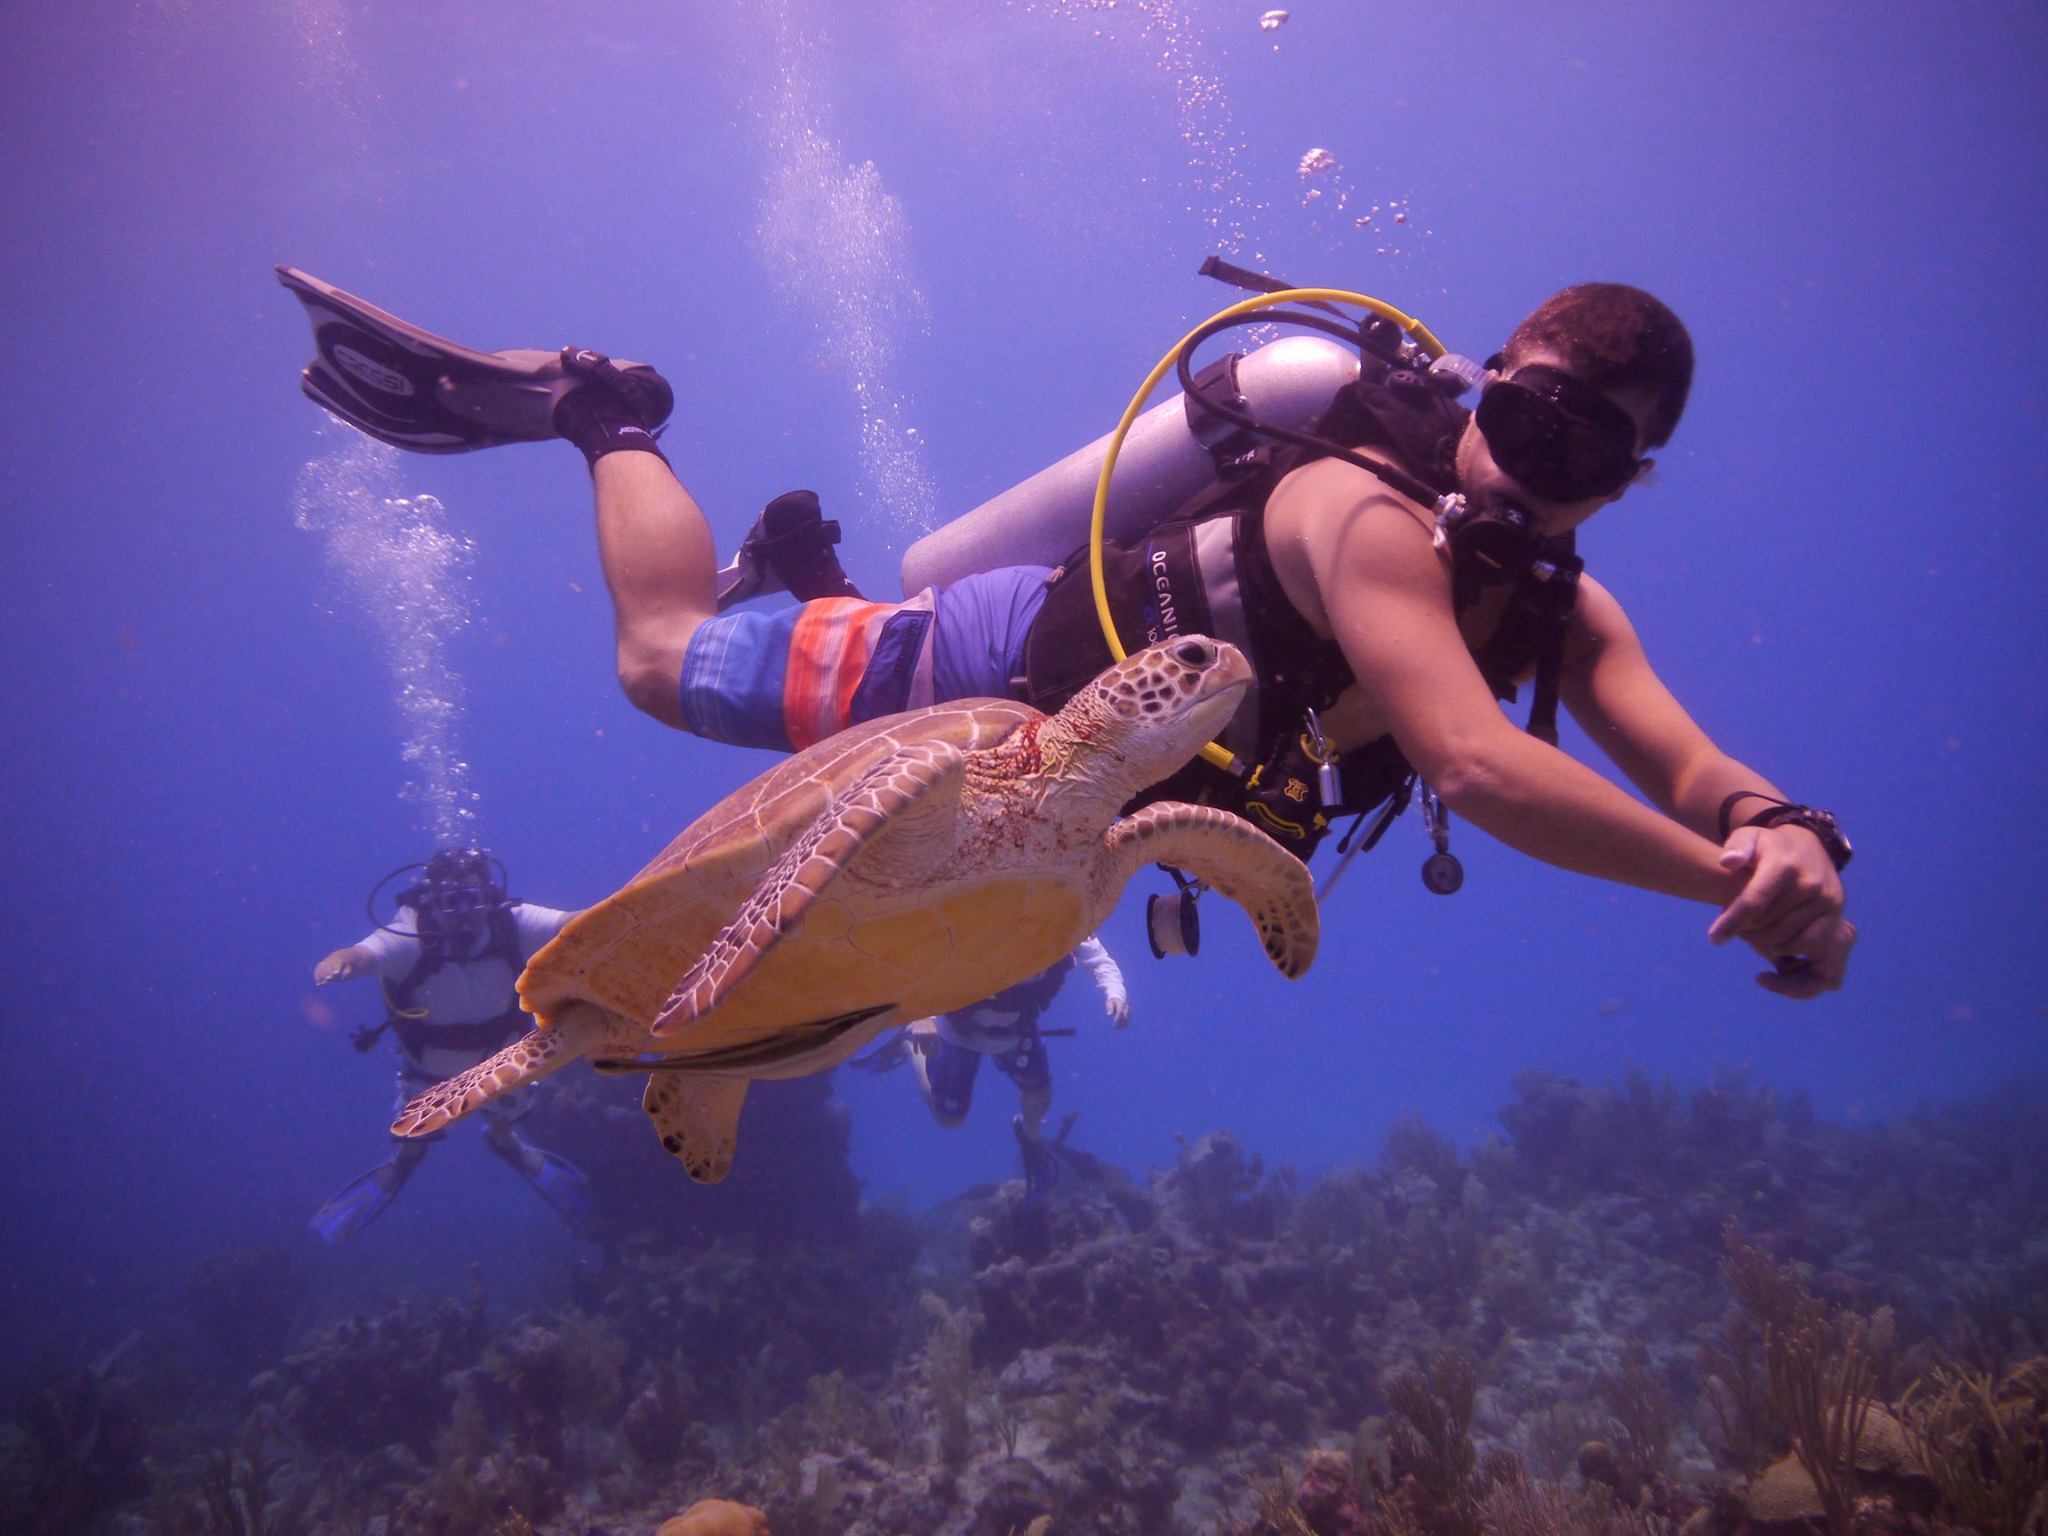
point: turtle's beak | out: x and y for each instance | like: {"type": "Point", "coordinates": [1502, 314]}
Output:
{"type": "Point", "coordinates": [1231, 669]}
{"type": "Point", "coordinates": [1221, 683]}
{"type": "Point", "coordinates": [1217, 702]}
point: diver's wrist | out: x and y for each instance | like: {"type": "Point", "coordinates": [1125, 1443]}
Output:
{"type": "Point", "coordinates": [1821, 824]}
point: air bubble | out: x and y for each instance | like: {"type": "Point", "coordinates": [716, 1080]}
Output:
{"type": "Point", "coordinates": [838, 245]}
{"type": "Point", "coordinates": [406, 573]}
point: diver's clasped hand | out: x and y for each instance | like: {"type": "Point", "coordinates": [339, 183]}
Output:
{"type": "Point", "coordinates": [1789, 910]}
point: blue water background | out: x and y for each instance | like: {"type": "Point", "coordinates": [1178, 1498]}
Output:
{"type": "Point", "coordinates": [1841, 570]}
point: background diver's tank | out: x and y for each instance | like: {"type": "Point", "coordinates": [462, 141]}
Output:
{"type": "Point", "coordinates": [1163, 464]}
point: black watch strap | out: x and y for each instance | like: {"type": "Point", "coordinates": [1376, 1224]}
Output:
{"type": "Point", "coordinates": [1821, 824]}
{"type": "Point", "coordinates": [1728, 808]}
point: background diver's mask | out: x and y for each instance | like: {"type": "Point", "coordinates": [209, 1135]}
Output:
{"type": "Point", "coordinates": [1562, 439]}
{"type": "Point", "coordinates": [458, 891]}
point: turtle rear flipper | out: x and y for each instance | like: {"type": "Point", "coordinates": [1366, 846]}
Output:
{"type": "Point", "coordinates": [532, 1056]}
{"type": "Point", "coordinates": [698, 1120]}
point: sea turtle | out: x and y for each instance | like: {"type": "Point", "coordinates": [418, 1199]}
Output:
{"type": "Point", "coordinates": [906, 867]}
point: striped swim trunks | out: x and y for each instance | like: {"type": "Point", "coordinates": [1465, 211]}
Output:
{"type": "Point", "coordinates": [790, 677]}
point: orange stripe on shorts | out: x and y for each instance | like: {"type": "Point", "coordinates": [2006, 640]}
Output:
{"type": "Point", "coordinates": [828, 654]}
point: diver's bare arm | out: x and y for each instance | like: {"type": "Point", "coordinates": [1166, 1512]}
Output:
{"type": "Point", "coordinates": [1792, 901]}
{"type": "Point", "coordinates": [662, 568]}
{"type": "Point", "coordinates": [1614, 693]}
{"type": "Point", "coordinates": [1387, 598]}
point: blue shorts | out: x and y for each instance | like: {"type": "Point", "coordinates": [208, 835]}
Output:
{"type": "Point", "coordinates": [791, 677]}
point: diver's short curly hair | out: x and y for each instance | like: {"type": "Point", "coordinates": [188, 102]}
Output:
{"type": "Point", "coordinates": [1616, 337]}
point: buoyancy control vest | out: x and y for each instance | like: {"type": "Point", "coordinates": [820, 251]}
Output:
{"type": "Point", "coordinates": [1206, 570]}
{"type": "Point", "coordinates": [417, 1031]}
{"type": "Point", "coordinates": [1032, 996]}
{"type": "Point", "coordinates": [1019, 1007]}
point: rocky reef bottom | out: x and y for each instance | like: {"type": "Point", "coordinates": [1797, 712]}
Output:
{"type": "Point", "coordinates": [1639, 1310]}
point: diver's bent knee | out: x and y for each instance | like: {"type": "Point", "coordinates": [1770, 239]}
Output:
{"type": "Point", "coordinates": [653, 680]}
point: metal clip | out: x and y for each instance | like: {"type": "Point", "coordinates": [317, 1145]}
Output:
{"type": "Point", "coordinates": [1441, 871]}
{"type": "Point", "coordinates": [1329, 782]}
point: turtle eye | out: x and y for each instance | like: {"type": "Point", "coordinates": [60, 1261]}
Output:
{"type": "Point", "coordinates": [1194, 653]}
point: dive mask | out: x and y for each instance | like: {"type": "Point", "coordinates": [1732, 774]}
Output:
{"type": "Point", "coordinates": [457, 904]}
{"type": "Point", "coordinates": [458, 887]}
{"type": "Point", "coordinates": [1562, 439]}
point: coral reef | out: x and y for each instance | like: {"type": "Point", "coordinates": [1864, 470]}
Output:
{"type": "Point", "coordinates": [1639, 1311]}
{"type": "Point", "coordinates": [75, 1446]}
{"type": "Point", "coordinates": [363, 1383]}
{"type": "Point", "coordinates": [1984, 1444]}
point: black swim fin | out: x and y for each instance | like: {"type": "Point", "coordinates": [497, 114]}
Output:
{"type": "Point", "coordinates": [418, 391]}
{"type": "Point", "coordinates": [789, 549]}
{"type": "Point", "coordinates": [1041, 1167]}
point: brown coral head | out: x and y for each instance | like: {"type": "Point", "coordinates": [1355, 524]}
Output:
{"type": "Point", "coordinates": [716, 1517]}
{"type": "Point", "coordinates": [1782, 1494]}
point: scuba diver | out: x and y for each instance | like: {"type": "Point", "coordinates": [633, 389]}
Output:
{"type": "Point", "coordinates": [1393, 564]}
{"type": "Point", "coordinates": [945, 1052]}
{"type": "Point", "coordinates": [449, 963]}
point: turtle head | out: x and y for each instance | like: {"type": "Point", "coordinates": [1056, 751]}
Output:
{"type": "Point", "coordinates": [1157, 707]}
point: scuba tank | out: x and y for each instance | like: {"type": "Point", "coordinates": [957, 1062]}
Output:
{"type": "Point", "coordinates": [1167, 460]}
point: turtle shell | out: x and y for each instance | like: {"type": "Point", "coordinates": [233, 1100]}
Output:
{"type": "Point", "coordinates": [627, 952]}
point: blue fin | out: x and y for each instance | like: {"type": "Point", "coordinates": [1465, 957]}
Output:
{"type": "Point", "coordinates": [562, 1184]}
{"type": "Point", "coordinates": [361, 1200]}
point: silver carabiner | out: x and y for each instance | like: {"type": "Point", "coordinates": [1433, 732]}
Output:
{"type": "Point", "coordinates": [1329, 782]}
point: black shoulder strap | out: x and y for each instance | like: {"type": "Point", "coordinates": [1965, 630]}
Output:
{"type": "Point", "coordinates": [504, 940]}
{"type": "Point", "coordinates": [1533, 629]}
{"type": "Point", "coordinates": [1303, 670]}
{"type": "Point", "coordinates": [398, 995]}
{"type": "Point", "coordinates": [1414, 415]}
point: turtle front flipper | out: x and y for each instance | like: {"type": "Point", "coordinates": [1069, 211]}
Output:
{"type": "Point", "coordinates": [697, 1119]}
{"type": "Point", "coordinates": [581, 1029]}
{"type": "Point", "coordinates": [1231, 856]}
{"type": "Point", "coordinates": [908, 797]}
